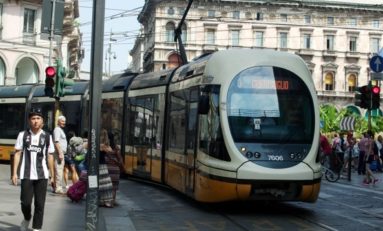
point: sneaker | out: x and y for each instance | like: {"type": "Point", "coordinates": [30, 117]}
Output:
{"type": "Point", "coordinates": [36, 229]}
{"type": "Point", "coordinates": [24, 225]}
{"type": "Point", "coordinates": [59, 191]}
{"type": "Point", "coordinates": [376, 180]}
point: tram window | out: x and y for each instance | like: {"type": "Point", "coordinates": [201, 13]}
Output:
{"type": "Point", "coordinates": [211, 140]}
{"type": "Point", "coordinates": [177, 126]}
{"type": "Point", "coordinates": [281, 109]}
{"type": "Point", "coordinates": [192, 119]}
{"type": "Point", "coordinates": [111, 117]}
{"type": "Point", "coordinates": [72, 111]}
{"type": "Point", "coordinates": [12, 118]}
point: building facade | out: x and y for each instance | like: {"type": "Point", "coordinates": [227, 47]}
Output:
{"type": "Point", "coordinates": [335, 38]}
{"type": "Point", "coordinates": [24, 52]}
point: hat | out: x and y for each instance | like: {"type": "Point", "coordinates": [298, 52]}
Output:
{"type": "Point", "coordinates": [35, 111]}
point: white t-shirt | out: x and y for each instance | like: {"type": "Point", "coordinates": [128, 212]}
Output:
{"type": "Point", "coordinates": [60, 137]}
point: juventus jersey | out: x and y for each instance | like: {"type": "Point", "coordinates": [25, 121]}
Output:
{"type": "Point", "coordinates": [34, 156]}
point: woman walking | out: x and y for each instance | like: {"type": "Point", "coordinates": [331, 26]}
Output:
{"type": "Point", "coordinates": [105, 183]}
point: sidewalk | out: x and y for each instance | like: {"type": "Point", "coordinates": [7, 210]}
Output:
{"type": "Point", "coordinates": [357, 181]}
{"type": "Point", "coordinates": [60, 213]}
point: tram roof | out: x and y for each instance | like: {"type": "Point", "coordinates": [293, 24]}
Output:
{"type": "Point", "coordinates": [78, 88]}
{"type": "Point", "coordinates": [151, 79]}
{"type": "Point", "coordinates": [15, 91]}
{"type": "Point", "coordinates": [194, 68]}
{"type": "Point", "coordinates": [118, 82]}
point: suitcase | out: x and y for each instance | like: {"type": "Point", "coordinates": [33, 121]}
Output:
{"type": "Point", "coordinates": [77, 191]}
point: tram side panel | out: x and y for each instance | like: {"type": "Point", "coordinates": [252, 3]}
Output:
{"type": "Point", "coordinates": [11, 123]}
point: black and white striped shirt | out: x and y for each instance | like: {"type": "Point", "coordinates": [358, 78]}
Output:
{"type": "Point", "coordinates": [34, 158]}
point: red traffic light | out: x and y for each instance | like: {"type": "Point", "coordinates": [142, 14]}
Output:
{"type": "Point", "coordinates": [50, 71]}
{"type": "Point", "coordinates": [375, 90]}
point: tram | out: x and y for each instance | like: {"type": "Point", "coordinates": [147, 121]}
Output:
{"type": "Point", "coordinates": [231, 125]}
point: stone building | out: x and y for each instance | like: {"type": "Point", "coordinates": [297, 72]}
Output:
{"type": "Point", "coordinates": [24, 53]}
{"type": "Point", "coordinates": [335, 38]}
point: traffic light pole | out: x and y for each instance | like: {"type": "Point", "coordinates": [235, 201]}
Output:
{"type": "Point", "coordinates": [52, 28]}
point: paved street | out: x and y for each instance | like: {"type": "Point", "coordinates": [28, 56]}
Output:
{"type": "Point", "coordinates": [147, 207]}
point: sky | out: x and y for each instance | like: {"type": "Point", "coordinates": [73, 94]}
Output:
{"type": "Point", "coordinates": [121, 20]}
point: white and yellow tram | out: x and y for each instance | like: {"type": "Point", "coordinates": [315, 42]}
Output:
{"type": "Point", "coordinates": [231, 125]}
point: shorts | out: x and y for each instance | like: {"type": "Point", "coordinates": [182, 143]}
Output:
{"type": "Point", "coordinates": [68, 160]}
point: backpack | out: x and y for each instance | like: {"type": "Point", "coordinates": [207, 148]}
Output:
{"type": "Point", "coordinates": [77, 191]}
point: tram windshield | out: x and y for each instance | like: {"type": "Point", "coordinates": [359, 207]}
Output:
{"type": "Point", "coordinates": [270, 105]}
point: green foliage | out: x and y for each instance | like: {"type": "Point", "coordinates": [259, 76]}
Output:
{"type": "Point", "coordinates": [332, 117]}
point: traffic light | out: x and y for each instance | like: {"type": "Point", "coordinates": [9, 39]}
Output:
{"type": "Point", "coordinates": [362, 96]}
{"type": "Point", "coordinates": [50, 74]}
{"type": "Point", "coordinates": [375, 97]}
{"type": "Point", "coordinates": [61, 81]}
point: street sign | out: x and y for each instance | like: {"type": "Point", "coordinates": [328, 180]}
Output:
{"type": "Point", "coordinates": [376, 63]}
{"type": "Point", "coordinates": [376, 76]}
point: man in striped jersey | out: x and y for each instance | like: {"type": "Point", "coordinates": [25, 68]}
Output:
{"type": "Point", "coordinates": [34, 147]}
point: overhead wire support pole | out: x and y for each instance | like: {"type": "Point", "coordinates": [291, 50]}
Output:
{"type": "Point", "coordinates": [178, 32]}
{"type": "Point", "coordinates": [95, 84]}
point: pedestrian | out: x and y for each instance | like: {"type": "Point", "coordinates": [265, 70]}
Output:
{"type": "Point", "coordinates": [105, 182]}
{"type": "Point", "coordinates": [114, 162]}
{"type": "Point", "coordinates": [34, 147]}
{"type": "Point", "coordinates": [379, 145]}
{"type": "Point", "coordinates": [69, 165]}
{"type": "Point", "coordinates": [361, 158]}
{"type": "Point", "coordinates": [369, 157]}
{"type": "Point", "coordinates": [325, 148]}
{"type": "Point", "coordinates": [61, 144]}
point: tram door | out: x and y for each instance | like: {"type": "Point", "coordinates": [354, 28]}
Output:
{"type": "Point", "coordinates": [143, 135]}
{"type": "Point", "coordinates": [191, 136]}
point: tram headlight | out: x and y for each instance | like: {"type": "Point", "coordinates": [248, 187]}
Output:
{"type": "Point", "coordinates": [249, 155]}
{"type": "Point", "coordinates": [243, 149]}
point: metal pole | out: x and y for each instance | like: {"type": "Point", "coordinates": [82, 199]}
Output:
{"type": "Point", "coordinates": [110, 54]}
{"type": "Point", "coordinates": [92, 217]}
{"type": "Point", "coordinates": [52, 28]}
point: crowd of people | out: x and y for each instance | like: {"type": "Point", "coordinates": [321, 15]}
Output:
{"type": "Point", "coordinates": [70, 160]}
{"type": "Point", "coordinates": [41, 159]}
{"type": "Point", "coordinates": [366, 153]}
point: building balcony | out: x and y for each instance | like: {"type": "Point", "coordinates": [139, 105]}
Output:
{"type": "Point", "coordinates": [352, 54]}
{"type": "Point", "coordinates": [329, 53]}
{"type": "Point", "coordinates": [209, 48]}
{"type": "Point", "coordinates": [333, 93]}
{"type": "Point", "coordinates": [305, 52]}
{"type": "Point", "coordinates": [29, 38]}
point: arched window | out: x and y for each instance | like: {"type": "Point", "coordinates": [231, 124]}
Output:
{"type": "Point", "coordinates": [329, 81]}
{"type": "Point", "coordinates": [26, 71]}
{"type": "Point", "coordinates": [170, 27]}
{"type": "Point", "coordinates": [351, 81]}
